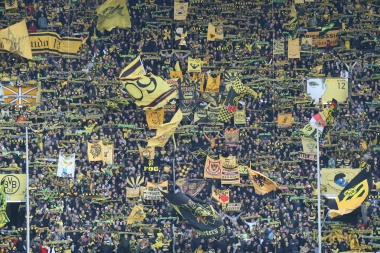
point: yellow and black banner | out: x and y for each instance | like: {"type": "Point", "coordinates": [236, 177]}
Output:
{"type": "Point", "coordinates": [52, 43]}
{"type": "Point", "coordinates": [231, 207]}
{"type": "Point", "coordinates": [180, 10]}
{"type": "Point", "coordinates": [309, 145]}
{"type": "Point", "coordinates": [153, 191]}
{"type": "Point", "coordinates": [279, 47]}
{"type": "Point", "coordinates": [15, 39]}
{"type": "Point", "coordinates": [294, 49]}
{"type": "Point", "coordinates": [14, 186]}
{"type": "Point", "coordinates": [155, 118]}
{"type": "Point", "coordinates": [194, 65]}
{"type": "Point", "coordinates": [191, 186]}
{"type": "Point", "coordinates": [285, 120]}
{"type": "Point", "coordinates": [231, 137]}
{"type": "Point", "coordinates": [176, 74]}
{"type": "Point", "coordinates": [306, 45]}
{"type": "Point", "coordinates": [200, 215]}
{"type": "Point", "coordinates": [150, 165]}
{"type": "Point", "coordinates": [133, 192]}
{"type": "Point", "coordinates": [10, 4]}
{"type": "Point", "coordinates": [321, 42]}
{"type": "Point", "coordinates": [133, 70]}
{"type": "Point", "coordinates": [230, 170]}
{"type": "Point", "coordinates": [334, 180]}
{"type": "Point", "coordinates": [240, 117]}
{"type": "Point", "coordinates": [213, 84]}
{"type": "Point", "coordinates": [262, 183]}
{"type": "Point", "coordinates": [94, 151]}
{"type": "Point", "coordinates": [215, 32]}
{"type": "Point", "coordinates": [243, 169]}
{"type": "Point", "coordinates": [112, 14]}
{"type": "Point", "coordinates": [352, 196]}
{"type": "Point", "coordinates": [213, 168]}
{"type": "Point", "coordinates": [222, 196]}
{"type": "Point", "coordinates": [150, 92]}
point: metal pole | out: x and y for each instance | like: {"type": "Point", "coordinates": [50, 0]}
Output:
{"type": "Point", "coordinates": [319, 198]}
{"type": "Point", "coordinates": [173, 230]}
{"type": "Point", "coordinates": [27, 192]}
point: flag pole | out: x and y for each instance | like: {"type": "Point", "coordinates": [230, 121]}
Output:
{"type": "Point", "coordinates": [174, 149]}
{"type": "Point", "coordinates": [27, 192]}
{"type": "Point", "coordinates": [319, 197]}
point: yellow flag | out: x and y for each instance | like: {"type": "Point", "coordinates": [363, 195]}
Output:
{"type": "Point", "coordinates": [11, 4]}
{"type": "Point", "coordinates": [211, 32]}
{"type": "Point", "coordinates": [150, 92]}
{"type": "Point", "coordinates": [15, 39]}
{"type": "Point", "coordinates": [137, 214]}
{"type": "Point", "coordinates": [261, 183]}
{"type": "Point", "coordinates": [165, 131]}
{"type": "Point", "coordinates": [194, 65]}
{"type": "Point", "coordinates": [155, 118]}
{"type": "Point", "coordinates": [176, 74]}
{"type": "Point", "coordinates": [133, 71]}
{"type": "Point", "coordinates": [108, 153]}
{"type": "Point", "coordinates": [309, 145]}
{"type": "Point", "coordinates": [94, 151]}
{"type": "Point", "coordinates": [112, 14]}
{"type": "Point", "coordinates": [180, 10]}
{"type": "Point", "coordinates": [177, 67]}
{"type": "Point", "coordinates": [147, 152]}
{"type": "Point", "coordinates": [213, 84]}
{"type": "Point", "coordinates": [294, 48]}
{"type": "Point", "coordinates": [285, 120]}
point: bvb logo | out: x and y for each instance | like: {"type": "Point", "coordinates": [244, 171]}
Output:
{"type": "Point", "coordinates": [11, 184]}
{"type": "Point", "coordinates": [95, 150]}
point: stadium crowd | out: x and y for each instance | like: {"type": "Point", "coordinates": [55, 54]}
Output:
{"type": "Point", "coordinates": [76, 95]}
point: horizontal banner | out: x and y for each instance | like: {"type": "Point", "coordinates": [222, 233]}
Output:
{"type": "Point", "coordinates": [47, 42]}
{"type": "Point", "coordinates": [321, 42]}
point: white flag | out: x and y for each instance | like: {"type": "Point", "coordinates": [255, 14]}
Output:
{"type": "Point", "coordinates": [66, 166]}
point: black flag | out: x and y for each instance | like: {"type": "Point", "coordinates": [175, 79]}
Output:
{"type": "Point", "coordinates": [199, 214]}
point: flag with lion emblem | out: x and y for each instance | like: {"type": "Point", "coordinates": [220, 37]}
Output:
{"type": "Point", "coordinates": [201, 216]}
{"type": "Point", "coordinates": [262, 183]}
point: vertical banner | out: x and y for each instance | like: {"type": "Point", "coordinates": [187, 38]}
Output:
{"type": "Point", "coordinates": [155, 118]}
{"type": "Point", "coordinates": [213, 168]}
{"type": "Point", "coordinates": [231, 137]}
{"type": "Point", "coordinates": [285, 120]}
{"type": "Point", "coordinates": [213, 84]}
{"type": "Point", "coordinates": [279, 47]}
{"type": "Point", "coordinates": [187, 92]}
{"type": "Point", "coordinates": [180, 10]}
{"type": "Point", "coordinates": [309, 145]}
{"type": "Point", "coordinates": [194, 65]}
{"type": "Point", "coordinates": [230, 170]}
{"type": "Point", "coordinates": [94, 151]}
{"type": "Point", "coordinates": [108, 153]}
{"type": "Point", "coordinates": [66, 166]}
{"type": "Point", "coordinates": [240, 118]}
{"type": "Point", "coordinates": [306, 45]}
{"type": "Point", "coordinates": [294, 49]}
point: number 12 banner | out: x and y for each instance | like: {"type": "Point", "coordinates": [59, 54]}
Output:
{"type": "Point", "coordinates": [327, 88]}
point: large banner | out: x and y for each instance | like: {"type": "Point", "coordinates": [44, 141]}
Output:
{"type": "Point", "coordinates": [334, 180]}
{"type": "Point", "coordinates": [20, 95]}
{"type": "Point", "coordinates": [49, 42]}
{"type": "Point", "coordinates": [321, 42]}
{"type": "Point", "coordinates": [327, 89]}
{"type": "Point", "coordinates": [15, 39]}
{"type": "Point", "coordinates": [294, 49]}
{"type": "Point", "coordinates": [66, 166]}
{"type": "Point", "coordinates": [180, 10]}
{"type": "Point", "coordinates": [187, 92]}
{"type": "Point", "coordinates": [15, 186]}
